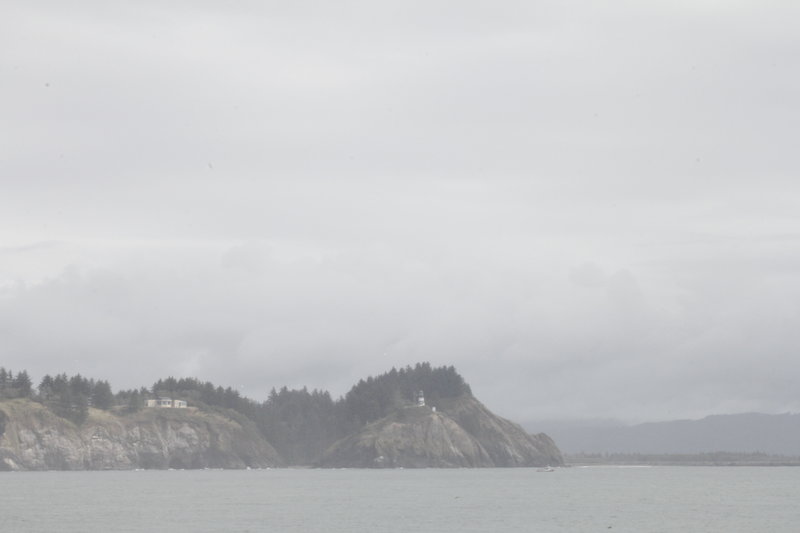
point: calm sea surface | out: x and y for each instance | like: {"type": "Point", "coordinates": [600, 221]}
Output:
{"type": "Point", "coordinates": [685, 499]}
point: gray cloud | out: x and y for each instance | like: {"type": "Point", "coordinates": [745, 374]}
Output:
{"type": "Point", "coordinates": [590, 211]}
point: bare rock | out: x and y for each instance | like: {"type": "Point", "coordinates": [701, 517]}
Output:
{"type": "Point", "coordinates": [461, 433]}
{"type": "Point", "coordinates": [36, 439]}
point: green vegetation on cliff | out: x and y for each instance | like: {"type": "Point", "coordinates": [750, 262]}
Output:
{"type": "Point", "coordinates": [36, 438]}
{"type": "Point", "coordinates": [301, 425]}
{"type": "Point", "coordinates": [461, 432]}
{"type": "Point", "coordinates": [377, 397]}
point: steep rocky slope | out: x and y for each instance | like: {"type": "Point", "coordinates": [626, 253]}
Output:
{"type": "Point", "coordinates": [507, 443]}
{"type": "Point", "coordinates": [33, 438]}
{"type": "Point", "coordinates": [461, 433]}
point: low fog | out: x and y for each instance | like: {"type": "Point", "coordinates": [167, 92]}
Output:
{"type": "Point", "coordinates": [592, 212]}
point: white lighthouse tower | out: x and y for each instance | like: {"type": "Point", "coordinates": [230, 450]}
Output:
{"type": "Point", "coordinates": [420, 399]}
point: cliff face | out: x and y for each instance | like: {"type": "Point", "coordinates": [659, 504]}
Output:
{"type": "Point", "coordinates": [33, 438]}
{"type": "Point", "coordinates": [505, 442]}
{"type": "Point", "coordinates": [462, 433]}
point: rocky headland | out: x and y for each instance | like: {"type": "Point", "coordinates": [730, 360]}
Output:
{"type": "Point", "coordinates": [413, 417]}
{"type": "Point", "coordinates": [34, 438]}
{"type": "Point", "coordinates": [462, 432]}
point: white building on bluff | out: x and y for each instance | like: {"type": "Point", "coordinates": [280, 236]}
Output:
{"type": "Point", "coordinates": [165, 403]}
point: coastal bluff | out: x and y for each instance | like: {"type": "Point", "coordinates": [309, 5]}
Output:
{"type": "Point", "coordinates": [417, 416]}
{"type": "Point", "coordinates": [461, 432]}
{"type": "Point", "coordinates": [34, 438]}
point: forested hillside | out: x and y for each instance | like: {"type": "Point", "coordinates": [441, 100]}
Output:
{"type": "Point", "coordinates": [299, 423]}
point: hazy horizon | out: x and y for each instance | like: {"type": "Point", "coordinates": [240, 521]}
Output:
{"type": "Point", "coordinates": [590, 211]}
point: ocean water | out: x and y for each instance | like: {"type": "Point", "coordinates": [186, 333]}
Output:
{"type": "Point", "coordinates": [658, 499]}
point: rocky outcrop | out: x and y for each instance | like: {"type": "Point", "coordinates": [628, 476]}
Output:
{"type": "Point", "coordinates": [461, 433]}
{"type": "Point", "coordinates": [33, 438]}
{"type": "Point", "coordinates": [506, 442]}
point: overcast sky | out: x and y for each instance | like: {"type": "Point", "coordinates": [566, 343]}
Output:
{"type": "Point", "coordinates": [591, 209]}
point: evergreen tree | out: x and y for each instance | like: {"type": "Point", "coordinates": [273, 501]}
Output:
{"type": "Point", "coordinates": [4, 382]}
{"type": "Point", "coordinates": [79, 409]}
{"type": "Point", "coordinates": [23, 385]}
{"type": "Point", "coordinates": [102, 397]}
{"type": "Point", "coordinates": [135, 402]}
{"type": "Point", "coordinates": [80, 385]}
{"type": "Point", "coordinates": [70, 405]}
{"type": "Point", "coordinates": [46, 387]}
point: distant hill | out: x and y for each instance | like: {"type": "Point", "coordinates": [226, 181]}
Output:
{"type": "Point", "coordinates": [741, 433]}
